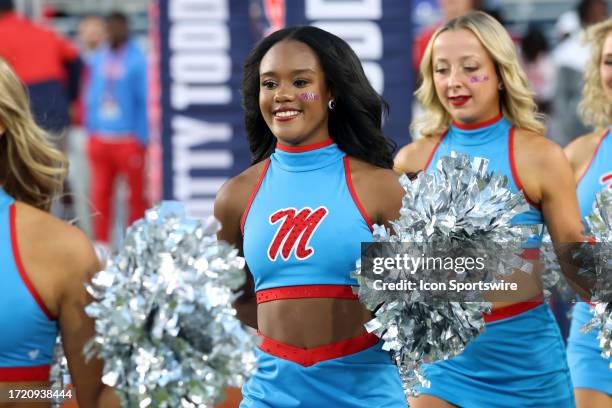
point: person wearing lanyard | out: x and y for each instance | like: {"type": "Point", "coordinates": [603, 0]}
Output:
{"type": "Point", "coordinates": [116, 120]}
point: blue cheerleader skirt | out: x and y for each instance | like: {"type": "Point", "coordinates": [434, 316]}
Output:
{"type": "Point", "coordinates": [518, 362]}
{"type": "Point", "coordinates": [587, 366]}
{"type": "Point", "coordinates": [354, 373]}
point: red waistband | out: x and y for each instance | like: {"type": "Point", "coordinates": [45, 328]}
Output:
{"type": "Point", "coordinates": [346, 292]}
{"type": "Point", "coordinates": [311, 356]}
{"type": "Point", "coordinates": [531, 253]}
{"type": "Point", "coordinates": [306, 291]}
{"type": "Point", "coordinates": [18, 374]}
{"type": "Point", "coordinates": [513, 310]}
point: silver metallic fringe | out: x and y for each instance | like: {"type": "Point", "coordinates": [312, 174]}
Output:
{"type": "Point", "coordinates": [459, 205]}
{"type": "Point", "coordinates": [165, 326]}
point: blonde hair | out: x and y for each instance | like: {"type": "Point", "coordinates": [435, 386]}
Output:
{"type": "Point", "coordinates": [595, 109]}
{"type": "Point", "coordinates": [31, 169]}
{"type": "Point", "coordinates": [517, 100]}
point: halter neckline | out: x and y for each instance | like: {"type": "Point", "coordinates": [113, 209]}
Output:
{"type": "Point", "coordinates": [307, 158]}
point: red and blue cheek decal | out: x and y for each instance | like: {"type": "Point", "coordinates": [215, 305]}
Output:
{"type": "Point", "coordinates": [309, 96]}
{"type": "Point", "coordinates": [478, 78]}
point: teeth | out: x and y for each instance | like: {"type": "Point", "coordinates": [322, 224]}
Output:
{"type": "Point", "coordinates": [286, 114]}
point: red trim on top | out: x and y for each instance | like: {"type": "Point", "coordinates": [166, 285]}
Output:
{"type": "Point", "coordinates": [21, 269]}
{"type": "Point", "coordinates": [301, 149]}
{"type": "Point", "coordinates": [513, 310]}
{"type": "Point", "coordinates": [469, 126]}
{"type": "Point", "coordinates": [433, 152]}
{"type": "Point", "coordinates": [305, 291]}
{"type": "Point", "coordinates": [515, 176]}
{"type": "Point", "coordinates": [253, 194]}
{"type": "Point", "coordinates": [311, 356]}
{"type": "Point", "coordinates": [18, 374]}
{"type": "Point", "coordinates": [593, 156]}
{"type": "Point", "coordinates": [588, 301]}
{"type": "Point", "coordinates": [349, 183]}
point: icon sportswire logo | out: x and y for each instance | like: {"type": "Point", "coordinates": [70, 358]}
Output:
{"type": "Point", "coordinates": [295, 231]}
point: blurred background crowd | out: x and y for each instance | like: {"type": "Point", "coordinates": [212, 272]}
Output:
{"type": "Point", "coordinates": [88, 66]}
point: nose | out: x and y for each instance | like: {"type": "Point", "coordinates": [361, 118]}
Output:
{"type": "Point", "coordinates": [283, 93]}
{"type": "Point", "coordinates": [454, 80]}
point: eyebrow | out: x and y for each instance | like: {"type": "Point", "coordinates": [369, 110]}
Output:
{"type": "Point", "coordinates": [461, 59]}
{"type": "Point", "coordinates": [294, 72]}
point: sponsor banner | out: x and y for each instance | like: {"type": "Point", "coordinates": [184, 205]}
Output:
{"type": "Point", "coordinates": [203, 44]}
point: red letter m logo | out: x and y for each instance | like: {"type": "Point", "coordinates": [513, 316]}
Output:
{"type": "Point", "coordinates": [296, 226]}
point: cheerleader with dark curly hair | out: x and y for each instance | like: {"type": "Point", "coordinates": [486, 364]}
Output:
{"type": "Point", "coordinates": [321, 177]}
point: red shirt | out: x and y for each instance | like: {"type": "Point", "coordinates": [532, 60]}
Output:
{"type": "Point", "coordinates": [420, 44]}
{"type": "Point", "coordinates": [35, 53]}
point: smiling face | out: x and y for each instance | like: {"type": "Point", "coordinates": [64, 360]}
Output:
{"type": "Point", "coordinates": [465, 78]}
{"type": "Point", "coordinates": [605, 68]}
{"type": "Point", "coordinates": [293, 96]}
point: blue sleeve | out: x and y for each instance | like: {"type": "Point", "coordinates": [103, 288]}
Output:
{"type": "Point", "coordinates": [140, 87]}
{"type": "Point", "coordinates": [92, 95]}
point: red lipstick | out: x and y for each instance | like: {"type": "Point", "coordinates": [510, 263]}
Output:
{"type": "Point", "coordinates": [458, 100]}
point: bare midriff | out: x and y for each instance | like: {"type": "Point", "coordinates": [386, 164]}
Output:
{"type": "Point", "coordinates": [529, 287]}
{"type": "Point", "coordinates": [312, 322]}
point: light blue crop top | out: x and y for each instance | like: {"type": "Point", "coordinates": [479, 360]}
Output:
{"type": "Point", "coordinates": [28, 330]}
{"type": "Point", "coordinates": [494, 141]}
{"type": "Point", "coordinates": [597, 176]}
{"type": "Point", "coordinates": [304, 224]}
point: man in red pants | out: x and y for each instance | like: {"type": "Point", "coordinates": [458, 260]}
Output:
{"type": "Point", "coordinates": [116, 119]}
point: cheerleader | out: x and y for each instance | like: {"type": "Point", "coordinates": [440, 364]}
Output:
{"type": "Point", "coordinates": [321, 176]}
{"type": "Point", "coordinates": [44, 263]}
{"type": "Point", "coordinates": [477, 102]}
{"type": "Point", "coordinates": [591, 159]}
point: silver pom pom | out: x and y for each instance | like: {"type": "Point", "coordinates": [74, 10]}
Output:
{"type": "Point", "coordinates": [552, 275]}
{"type": "Point", "coordinates": [459, 209]}
{"type": "Point", "coordinates": [59, 376]}
{"type": "Point", "coordinates": [165, 326]}
{"type": "Point", "coordinates": [600, 225]}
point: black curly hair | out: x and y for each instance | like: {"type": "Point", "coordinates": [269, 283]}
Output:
{"type": "Point", "coordinates": [355, 124]}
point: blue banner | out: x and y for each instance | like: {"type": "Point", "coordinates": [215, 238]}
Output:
{"type": "Point", "coordinates": [203, 44]}
{"type": "Point", "coordinates": [202, 47]}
